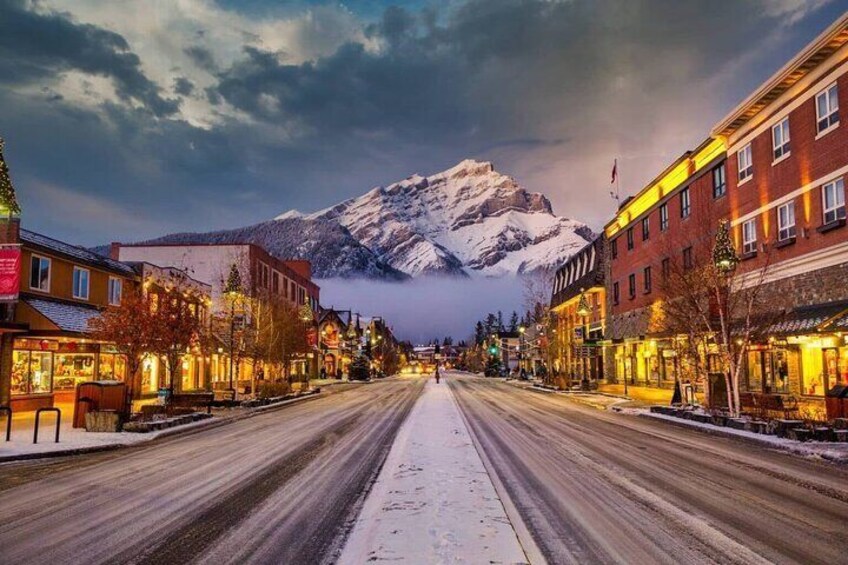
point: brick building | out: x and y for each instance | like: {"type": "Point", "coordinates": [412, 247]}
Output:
{"type": "Point", "coordinates": [776, 168]}
{"type": "Point", "coordinates": [578, 304]}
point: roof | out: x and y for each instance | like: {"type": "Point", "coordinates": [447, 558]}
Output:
{"type": "Point", "coordinates": [580, 271]}
{"type": "Point", "coordinates": [67, 316]}
{"type": "Point", "coordinates": [810, 319]}
{"type": "Point", "coordinates": [75, 252]}
{"type": "Point", "coordinates": [822, 47]}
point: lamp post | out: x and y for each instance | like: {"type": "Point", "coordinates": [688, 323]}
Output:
{"type": "Point", "coordinates": [521, 330]}
{"type": "Point", "coordinates": [232, 290]}
{"type": "Point", "coordinates": [584, 310]}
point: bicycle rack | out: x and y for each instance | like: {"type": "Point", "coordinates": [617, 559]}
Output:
{"type": "Point", "coordinates": [8, 411]}
{"type": "Point", "coordinates": [38, 416]}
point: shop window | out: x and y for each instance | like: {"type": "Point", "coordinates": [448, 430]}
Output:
{"type": "Point", "coordinates": [116, 289]}
{"type": "Point", "coordinates": [39, 274]}
{"type": "Point", "coordinates": [833, 201]}
{"type": "Point", "coordinates": [719, 181]}
{"type": "Point", "coordinates": [80, 283]}
{"type": "Point", "coordinates": [31, 372]}
{"type": "Point", "coordinates": [685, 203]}
{"type": "Point", "coordinates": [786, 222]}
{"type": "Point", "coordinates": [780, 139]}
{"type": "Point", "coordinates": [827, 109]}
{"type": "Point", "coordinates": [71, 369]}
{"type": "Point", "coordinates": [768, 371]}
{"type": "Point", "coordinates": [664, 217]}
{"type": "Point", "coordinates": [745, 163]}
{"type": "Point", "coordinates": [835, 367]}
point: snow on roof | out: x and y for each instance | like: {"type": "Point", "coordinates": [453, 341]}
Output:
{"type": "Point", "coordinates": [67, 317]}
{"type": "Point", "coordinates": [75, 252]}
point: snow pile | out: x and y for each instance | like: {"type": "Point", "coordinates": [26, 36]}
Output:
{"type": "Point", "coordinates": [433, 501]}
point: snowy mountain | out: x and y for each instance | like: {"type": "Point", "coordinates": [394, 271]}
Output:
{"type": "Point", "coordinates": [468, 219]}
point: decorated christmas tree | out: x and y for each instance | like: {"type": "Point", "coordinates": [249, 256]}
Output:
{"type": "Point", "coordinates": [724, 253]}
{"type": "Point", "coordinates": [8, 200]}
{"type": "Point", "coordinates": [360, 368]}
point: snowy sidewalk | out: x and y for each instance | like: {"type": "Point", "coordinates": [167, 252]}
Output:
{"type": "Point", "coordinates": [433, 501]}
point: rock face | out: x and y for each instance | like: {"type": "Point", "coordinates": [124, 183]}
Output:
{"type": "Point", "coordinates": [467, 220]}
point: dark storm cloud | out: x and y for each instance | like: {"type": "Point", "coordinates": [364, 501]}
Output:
{"type": "Point", "coordinates": [202, 57]}
{"type": "Point", "coordinates": [183, 86]}
{"type": "Point", "coordinates": [38, 46]}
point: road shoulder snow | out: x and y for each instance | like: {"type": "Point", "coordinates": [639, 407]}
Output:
{"type": "Point", "coordinates": [433, 501]}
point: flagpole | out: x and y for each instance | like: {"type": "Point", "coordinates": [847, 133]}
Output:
{"type": "Point", "coordinates": [617, 182]}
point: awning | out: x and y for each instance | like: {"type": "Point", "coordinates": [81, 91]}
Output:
{"type": "Point", "coordinates": [66, 316]}
{"type": "Point", "coordinates": [810, 319]}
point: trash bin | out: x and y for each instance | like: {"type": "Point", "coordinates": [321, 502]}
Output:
{"type": "Point", "coordinates": [836, 402]}
{"type": "Point", "coordinates": [162, 396]}
{"type": "Point", "coordinates": [99, 395]}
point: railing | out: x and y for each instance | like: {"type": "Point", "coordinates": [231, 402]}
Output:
{"type": "Point", "coordinates": [8, 411]}
{"type": "Point", "coordinates": [38, 417]}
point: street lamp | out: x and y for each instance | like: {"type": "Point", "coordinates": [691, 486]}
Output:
{"type": "Point", "coordinates": [521, 330]}
{"type": "Point", "coordinates": [232, 290]}
{"type": "Point", "coordinates": [584, 311]}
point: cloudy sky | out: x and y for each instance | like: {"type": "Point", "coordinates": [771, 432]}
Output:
{"type": "Point", "coordinates": [128, 119]}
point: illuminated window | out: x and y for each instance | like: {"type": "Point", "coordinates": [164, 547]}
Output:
{"type": "Point", "coordinates": [780, 138]}
{"type": "Point", "coordinates": [719, 181]}
{"type": "Point", "coordinates": [827, 108]}
{"type": "Point", "coordinates": [664, 217]}
{"type": "Point", "coordinates": [749, 236]}
{"type": "Point", "coordinates": [80, 283]}
{"type": "Point", "coordinates": [745, 163]}
{"type": "Point", "coordinates": [786, 221]}
{"type": "Point", "coordinates": [685, 204]}
{"type": "Point", "coordinates": [833, 201]}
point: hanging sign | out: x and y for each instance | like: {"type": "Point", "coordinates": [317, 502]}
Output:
{"type": "Point", "coordinates": [10, 272]}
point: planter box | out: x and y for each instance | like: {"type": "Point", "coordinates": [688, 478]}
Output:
{"type": "Point", "coordinates": [782, 427]}
{"type": "Point", "coordinates": [822, 433]}
{"type": "Point", "coordinates": [737, 423]}
{"type": "Point", "coordinates": [719, 421]}
{"type": "Point", "coordinates": [756, 426]}
{"type": "Point", "coordinates": [103, 421]}
{"type": "Point", "coordinates": [702, 418]}
{"type": "Point", "coordinates": [840, 436]}
{"type": "Point", "coordinates": [800, 434]}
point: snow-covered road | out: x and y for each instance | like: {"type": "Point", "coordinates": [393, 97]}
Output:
{"type": "Point", "coordinates": [282, 487]}
{"type": "Point", "coordinates": [433, 501]}
{"type": "Point", "coordinates": [600, 487]}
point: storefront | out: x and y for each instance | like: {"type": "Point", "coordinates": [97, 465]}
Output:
{"type": "Point", "coordinates": [48, 370]}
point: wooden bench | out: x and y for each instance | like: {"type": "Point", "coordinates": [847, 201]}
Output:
{"type": "Point", "coordinates": [191, 400]}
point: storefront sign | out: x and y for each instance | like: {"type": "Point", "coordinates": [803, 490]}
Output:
{"type": "Point", "coordinates": [10, 272]}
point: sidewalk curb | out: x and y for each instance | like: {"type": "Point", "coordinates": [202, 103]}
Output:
{"type": "Point", "coordinates": [203, 425]}
{"type": "Point", "coordinates": [720, 432]}
{"type": "Point", "coordinates": [525, 539]}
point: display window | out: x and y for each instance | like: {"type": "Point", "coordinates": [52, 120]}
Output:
{"type": "Point", "coordinates": [71, 369]}
{"type": "Point", "coordinates": [31, 372]}
{"type": "Point", "coordinates": [112, 367]}
{"type": "Point", "coordinates": [835, 366]}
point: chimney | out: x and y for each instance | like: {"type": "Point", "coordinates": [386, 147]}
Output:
{"type": "Point", "coordinates": [115, 250]}
{"type": "Point", "coordinates": [10, 230]}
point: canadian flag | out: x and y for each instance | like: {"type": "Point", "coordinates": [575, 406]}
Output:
{"type": "Point", "coordinates": [614, 171]}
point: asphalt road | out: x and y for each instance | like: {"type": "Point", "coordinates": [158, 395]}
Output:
{"type": "Point", "coordinates": [600, 487]}
{"type": "Point", "coordinates": [282, 487]}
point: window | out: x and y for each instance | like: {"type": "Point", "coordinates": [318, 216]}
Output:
{"type": "Point", "coordinates": [687, 258]}
{"type": "Point", "coordinates": [786, 222]}
{"type": "Point", "coordinates": [115, 291]}
{"type": "Point", "coordinates": [631, 285]}
{"type": "Point", "coordinates": [664, 217]}
{"type": "Point", "coordinates": [646, 275]}
{"type": "Point", "coordinates": [833, 201]}
{"type": "Point", "coordinates": [827, 109]}
{"type": "Point", "coordinates": [749, 236]}
{"type": "Point", "coordinates": [780, 139]}
{"type": "Point", "coordinates": [275, 282]}
{"type": "Point", "coordinates": [685, 207]}
{"type": "Point", "coordinates": [629, 238]}
{"type": "Point", "coordinates": [264, 275]}
{"type": "Point", "coordinates": [666, 267]}
{"type": "Point", "coordinates": [646, 228]}
{"type": "Point", "coordinates": [39, 274]}
{"type": "Point", "coordinates": [80, 283]}
{"type": "Point", "coordinates": [719, 181]}
{"type": "Point", "coordinates": [614, 248]}
{"type": "Point", "coordinates": [745, 163]}
{"type": "Point", "coordinates": [616, 296]}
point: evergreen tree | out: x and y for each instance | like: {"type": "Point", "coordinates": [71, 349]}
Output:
{"type": "Point", "coordinates": [500, 321]}
{"type": "Point", "coordinates": [8, 199]}
{"type": "Point", "coordinates": [513, 322]}
{"type": "Point", "coordinates": [491, 325]}
{"type": "Point", "coordinates": [479, 333]}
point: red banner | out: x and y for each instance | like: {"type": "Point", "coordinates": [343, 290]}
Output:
{"type": "Point", "coordinates": [10, 272]}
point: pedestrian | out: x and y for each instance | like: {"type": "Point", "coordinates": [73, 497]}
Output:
{"type": "Point", "coordinates": [437, 375]}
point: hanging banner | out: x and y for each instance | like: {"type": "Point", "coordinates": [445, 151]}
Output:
{"type": "Point", "coordinates": [10, 272]}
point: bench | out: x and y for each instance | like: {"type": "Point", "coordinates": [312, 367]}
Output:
{"type": "Point", "coordinates": [191, 400]}
{"type": "Point", "coordinates": [764, 405]}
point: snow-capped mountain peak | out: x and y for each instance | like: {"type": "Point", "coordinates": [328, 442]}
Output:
{"type": "Point", "coordinates": [467, 219]}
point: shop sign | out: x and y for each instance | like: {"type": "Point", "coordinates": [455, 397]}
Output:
{"type": "Point", "coordinates": [36, 345]}
{"type": "Point", "coordinates": [10, 272]}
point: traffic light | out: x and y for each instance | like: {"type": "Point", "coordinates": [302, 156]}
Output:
{"type": "Point", "coordinates": [493, 350]}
